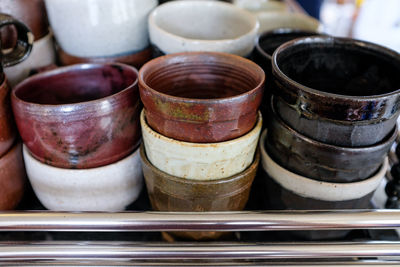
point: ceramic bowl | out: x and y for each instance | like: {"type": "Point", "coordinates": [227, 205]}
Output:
{"type": "Point", "coordinates": [81, 116]}
{"type": "Point", "coordinates": [108, 188]}
{"type": "Point", "coordinates": [184, 26]}
{"type": "Point", "coordinates": [171, 193]}
{"type": "Point", "coordinates": [42, 55]}
{"type": "Point", "coordinates": [101, 28]}
{"type": "Point", "coordinates": [338, 91]}
{"type": "Point", "coordinates": [261, 5]}
{"type": "Point", "coordinates": [200, 161]}
{"type": "Point", "coordinates": [275, 20]}
{"type": "Point", "coordinates": [315, 160]}
{"type": "Point", "coordinates": [7, 126]}
{"type": "Point", "coordinates": [201, 97]}
{"type": "Point", "coordinates": [12, 178]}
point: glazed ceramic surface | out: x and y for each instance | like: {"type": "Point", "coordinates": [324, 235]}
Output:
{"type": "Point", "coordinates": [275, 20]}
{"type": "Point", "coordinates": [108, 188]}
{"type": "Point", "coordinates": [170, 193]}
{"type": "Point", "coordinates": [200, 161]}
{"type": "Point", "coordinates": [261, 5]}
{"type": "Point", "coordinates": [201, 97]}
{"type": "Point", "coordinates": [183, 26]}
{"type": "Point", "coordinates": [321, 161]}
{"type": "Point", "coordinates": [42, 55]}
{"type": "Point", "coordinates": [82, 116]}
{"type": "Point", "coordinates": [7, 126]}
{"type": "Point", "coordinates": [86, 28]}
{"type": "Point", "coordinates": [12, 178]}
{"type": "Point", "coordinates": [338, 91]}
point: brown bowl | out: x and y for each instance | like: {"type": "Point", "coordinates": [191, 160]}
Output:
{"type": "Point", "coordinates": [7, 126]}
{"type": "Point", "coordinates": [136, 59]}
{"type": "Point", "coordinates": [171, 193]}
{"type": "Point", "coordinates": [201, 97]}
{"type": "Point", "coordinates": [12, 178]}
{"type": "Point", "coordinates": [81, 116]}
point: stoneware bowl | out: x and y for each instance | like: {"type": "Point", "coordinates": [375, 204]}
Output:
{"type": "Point", "coordinates": [200, 161]}
{"type": "Point", "coordinates": [81, 116]}
{"type": "Point", "coordinates": [275, 20]}
{"type": "Point", "coordinates": [108, 188]}
{"type": "Point", "coordinates": [201, 97]}
{"type": "Point", "coordinates": [7, 126]}
{"type": "Point", "coordinates": [290, 191]}
{"type": "Point", "coordinates": [171, 193]}
{"type": "Point", "coordinates": [315, 160]}
{"type": "Point", "coordinates": [101, 28]}
{"type": "Point", "coordinates": [12, 178]}
{"type": "Point", "coordinates": [184, 26]}
{"type": "Point", "coordinates": [338, 91]}
{"type": "Point", "coordinates": [261, 5]}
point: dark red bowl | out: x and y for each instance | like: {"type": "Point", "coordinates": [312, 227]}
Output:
{"type": "Point", "coordinates": [201, 97]}
{"type": "Point", "coordinates": [81, 116]}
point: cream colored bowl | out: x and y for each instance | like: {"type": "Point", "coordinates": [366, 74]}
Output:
{"type": "Point", "coordinates": [200, 161]}
{"type": "Point", "coordinates": [108, 188]}
{"type": "Point", "coordinates": [261, 5]}
{"type": "Point", "coordinates": [274, 20]}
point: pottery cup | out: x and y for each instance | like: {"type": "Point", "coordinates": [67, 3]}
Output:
{"type": "Point", "coordinates": [315, 160]}
{"type": "Point", "coordinates": [275, 20]}
{"type": "Point", "coordinates": [201, 97]}
{"type": "Point", "coordinates": [338, 91]}
{"type": "Point", "coordinates": [80, 116]}
{"type": "Point", "coordinates": [86, 28]}
{"type": "Point", "coordinates": [184, 26]}
{"type": "Point", "coordinates": [171, 193]}
{"type": "Point", "coordinates": [108, 188]}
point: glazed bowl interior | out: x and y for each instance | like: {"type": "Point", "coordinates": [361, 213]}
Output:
{"type": "Point", "coordinates": [339, 66]}
{"type": "Point", "coordinates": [203, 20]}
{"type": "Point", "coordinates": [76, 84]}
{"type": "Point", "coordinates": [202, 76]}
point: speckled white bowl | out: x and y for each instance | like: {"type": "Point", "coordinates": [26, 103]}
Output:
{"type": "Point", "coordinates": [274, 20]}
{"type": "Point", "coordinates": [107, 188]}
{"type": "Point", "coordinates": [261, 5]}
{"type": "Point", "coordinates": [185, 26]}
{"type": "Point", "coordinates": [200, 161]}
{"type": "Point", "coordinates": [87, 28]}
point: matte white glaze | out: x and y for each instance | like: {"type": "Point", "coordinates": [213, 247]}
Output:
{"type": "Point", "coordinates": [107, 188]}
{"type": "Point", "coordinates": [200, 161]}
{"type": "Point", "coordinates": [261, 5]}
{"type": "Point", "coordinates": [183, 26]}
{"type": "Point", "coordinates": [274, 20]}
{"type": "Point", "coordinates": [42, 54]}
{"type": "Point", "coordinates": [314, 189]}
{"type": "Point", "coordinates": [96, 28]}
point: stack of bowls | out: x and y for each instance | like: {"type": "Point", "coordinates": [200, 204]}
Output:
{"type": "Point", "coordinates": [101, 31]}
{"type": "Point", "coordinates": [333, 121]}
{"type": "Point", "coordinates": [80, 128]}
{"type": "Point", "coordinates": [200, 130]}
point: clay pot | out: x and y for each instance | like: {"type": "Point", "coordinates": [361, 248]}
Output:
{"type": "Point", "coordinates": [315, 160]}
{"type": "Point", "coordinates": [81, 116]}
{"type": "Point", "coordinates": [170, 193]}
{"type": "Point", "coordinates": [201, 97]}
{"type": "Point", "coordinates": [136, 59]}
{"type": "Point", "coordinates": [338, 91]}
{"type": "Point", "coordinates": [184, 26]}
{"type": "Point", "coordinates": [108, 188]}
{"type": "Point", "coordinates": [12, 178]}
{"type": "Point", "coordinates": [200, 161]}
{"type": "Point", "coordinates": [7, 126]}
{"type": "Point", "coordinates": [275, 20]}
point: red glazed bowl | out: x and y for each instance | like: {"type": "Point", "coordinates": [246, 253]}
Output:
{"type": "Point", "coordinates": [201, 97]}
{"type": "Point", "coordinates": [81, 116]}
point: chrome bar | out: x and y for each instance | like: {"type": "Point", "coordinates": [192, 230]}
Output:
{"type": "Point", "coordinates": [70, 250]}
{"type": "Point", "coordinates": [202, 221]}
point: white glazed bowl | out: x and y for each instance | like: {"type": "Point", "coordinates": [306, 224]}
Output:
{"type": "Point", "coordinates": [107, 188]}
{"type": "Point", "coordinates": [87, 28]}
{"type": "Point", "coordinates": [313, 189]}
{"type": "Point", "coordinates": [200, 161]}
{"type": "Point", "coordinates": [42, 54]}
{"type": "Point", "coordinates": [185, 26]}
{"type": "Point", "coordinates": [274, 20]}
{"type": "Point", "coordinates": [261, 5]}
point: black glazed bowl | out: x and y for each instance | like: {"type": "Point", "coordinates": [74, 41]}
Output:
{"type": "Point", "coordinates": [338, 91]}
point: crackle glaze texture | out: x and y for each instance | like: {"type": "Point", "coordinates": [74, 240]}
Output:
{"type": "Point", "coordinates": [201, 97]}
{"type": "Point", "coordinates": [338, 91]}
{"type": "Point", "coordinates": [82, 116]}
{"type": "Point", "coordinates": [170, 193]}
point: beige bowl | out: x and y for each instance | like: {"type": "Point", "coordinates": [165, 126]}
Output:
{"type": "Point", "coordinates": [261, 5]}
{"type": "Point", "coordinates": [274, 20]}
{"type": "Point", "coordinates": [200, 161]}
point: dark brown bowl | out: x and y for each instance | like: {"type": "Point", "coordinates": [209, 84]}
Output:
{"type": "Point", "coordinates": [7, 126]}
{"type": "Point", "coordinates": [171, 193]}
{"type": "Point", "coordinates": [81, 116]}
{"type": "Point", "coordinates": [201, 97]}
{"type": "Point", "coordinates": [136, 59]}
{"type": "Point", "coordinates": [336, 90]}
{"type": "Point", "coordinates": [320, 161]}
